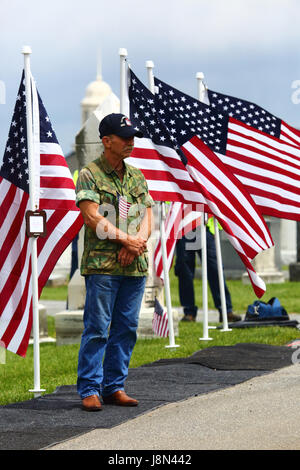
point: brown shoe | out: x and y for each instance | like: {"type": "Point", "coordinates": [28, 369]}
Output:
{"type": "Point", "coordinates": [120, 398]}
{"type": "Point", "coordinates": [232, 317]}
{"type": "Point", "coordinates": [188, 318]}
{"type": "Point", "coordinates": [91, 403]}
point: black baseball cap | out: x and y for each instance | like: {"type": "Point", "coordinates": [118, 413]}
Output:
{"type": "Point", "coordinates": [117, 124]}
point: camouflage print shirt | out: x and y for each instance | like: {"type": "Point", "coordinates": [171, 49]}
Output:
{"type": "Point", "coordinates": [99, 183]}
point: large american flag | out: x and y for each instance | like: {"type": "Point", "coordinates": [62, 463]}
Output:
{"type": "Point", "coordinates": [180, 220]}
{"type": "Point", "coordinates": [224, 196]}
{"type": "Point", "coordinates": [56, 195]}
{"type": "Point", "coordinates": [267, 165]}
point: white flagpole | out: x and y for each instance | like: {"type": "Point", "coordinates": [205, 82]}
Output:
{"type": "Point", "coordinates": [150, 67]}
{"type": "Point", "coordinates": [221, 278]}
{"type": "Point", "coordinates": [123, 82]}
{"type": "Point", "coordinates": [32, 199]}
{"type": "Point", "coordinates": [205, 337]}
{"type": "Point", "coordinates": [162, 218]}
{"type": "Point", "coordinates": [203, 98]}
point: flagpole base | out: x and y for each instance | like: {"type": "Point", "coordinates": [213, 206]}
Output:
{"type": "Point", "coordinates": [173, 346]}
{"type": "Point", "coordinates": [37, 392]}
{"type": "Point", "coordinates": [205, 339]}
{"type": "Point", "coordinates": [211, 327]}
{"type": "Point", "coordinates": [226, 329]}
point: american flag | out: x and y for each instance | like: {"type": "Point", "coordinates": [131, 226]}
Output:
{"type": "Point", "coordinates": [180, 220]}
{"type": "Point", "coordinates": [166, 175]}
{"type": "Point", "coordinates": [124, 207]}
{"type": "Point", "coordinates": [56, 195]}
{"type": "Point", "coordinates": [160, 320]}
{"type": "Point", "coordinates": [254, 116]}
{"type": "Point", "coordinates": [224, 196]}
{"type": "Point", "coordinates": [267, 165]}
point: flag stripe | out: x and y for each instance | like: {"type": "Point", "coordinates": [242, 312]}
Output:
{"type": "Point", "coordinates": [48, 160]}
{"type": "Point", "coordinates": [17, 301]}
{"type": "Point", "coordinates": [261, 140]}
{"type": "Point", "coordinates": [290, 133]}
{"type": "Point", "coordinates": [14, 277]}
{"type": "Point", "coordinates": [285, 193]}
{"type": "Point", "coordinates": [263, 172]}
{"type": "Point", "coordinates": [25, 336]}
{"type": "Point", "coordinates": [12, 231]}
{"type": "Point", "coordinates": [59, 182]}
{"type": "Point", "coordinates": [9, 192]}
{"type": "Point", "coordinates": [14, 324]}
{"type": "Point", "coordinates": [56, 204]}
{"type": "Point", "coordinates": [264, 157]}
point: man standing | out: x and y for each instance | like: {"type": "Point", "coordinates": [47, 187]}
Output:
{"type": "Point", "coordinates": [117, 211]}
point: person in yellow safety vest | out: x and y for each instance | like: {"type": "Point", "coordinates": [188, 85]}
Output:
{"type": "Point", "coordinates": [75, 176]}
{"type": "Point", "coordinates": [185, 271]}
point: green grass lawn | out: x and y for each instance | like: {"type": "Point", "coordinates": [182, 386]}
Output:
{"type": "Point", "coordinates": [58, 364]}
{"type": "Point", "coordinates": [55, 293]}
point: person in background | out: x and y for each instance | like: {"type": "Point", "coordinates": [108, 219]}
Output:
{"type": "Point", "coordinates": [185, 271]}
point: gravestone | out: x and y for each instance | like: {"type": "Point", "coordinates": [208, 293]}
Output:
{"type": "Point", "coordinates": [294, 268]}
{"type": "Point", "coordinates": [43, 327]}
{"type": "Point", "coordinates": [265, 262]}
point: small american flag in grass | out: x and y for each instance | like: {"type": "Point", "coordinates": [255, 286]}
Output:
{"type": "Point", "coordinates": [160, 320]}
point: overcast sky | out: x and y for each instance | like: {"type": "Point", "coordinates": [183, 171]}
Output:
{"type": "Point", "coordinates": [246, 48]}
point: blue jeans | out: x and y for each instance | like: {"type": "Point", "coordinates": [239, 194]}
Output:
{"type": "Point", "coordinates": [110, 323]}
{"type": "Point", "coordinates": [185, 270]}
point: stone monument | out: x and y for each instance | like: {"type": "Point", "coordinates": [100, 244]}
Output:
{"type": "Point", "coordinates": [294, 268]}
{"type": "Point", "coordinates": [43, 326]}
{"type": "Point", "coordinates": [264, 263]}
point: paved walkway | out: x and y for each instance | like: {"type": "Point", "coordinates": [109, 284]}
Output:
{"type": "Point", "coordinates": [262, 413]}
